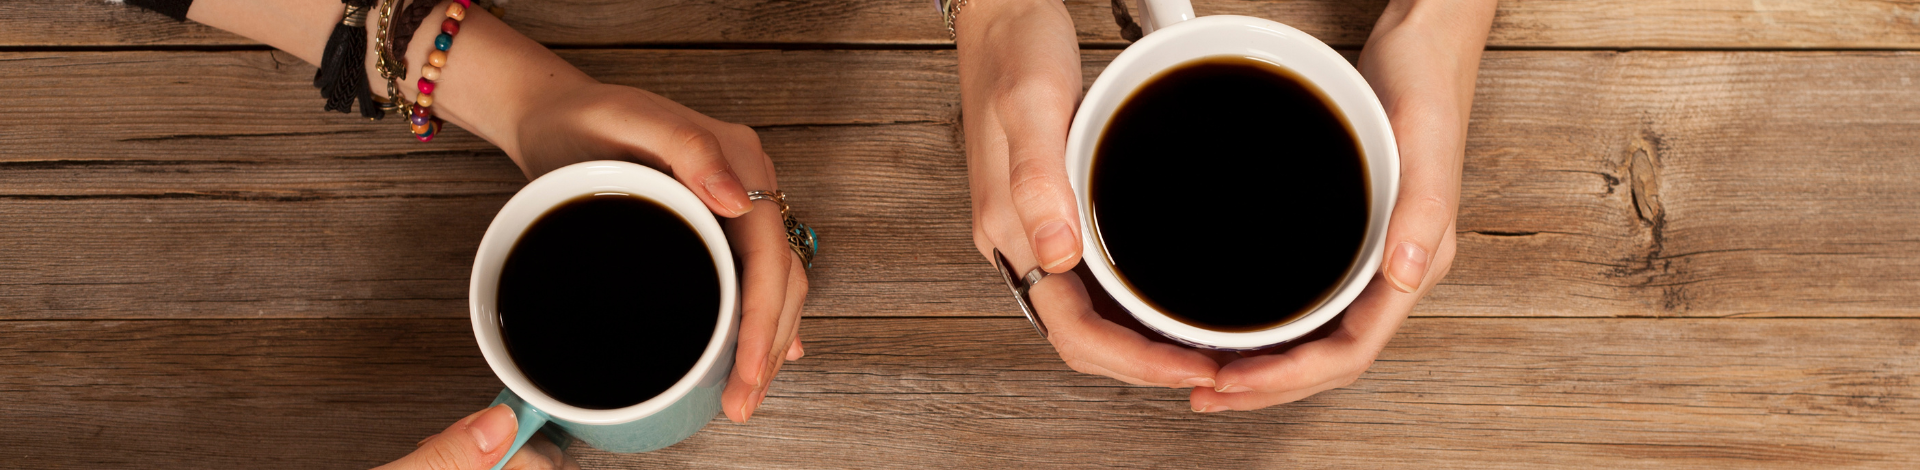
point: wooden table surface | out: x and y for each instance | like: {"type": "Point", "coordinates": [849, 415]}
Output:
{"type": "Point", "coordinates": [1689, 238]}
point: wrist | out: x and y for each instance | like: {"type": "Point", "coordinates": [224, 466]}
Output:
{"type": "Point", "coordinates": [979, 16]}
{"type": "Point", "coordinates": [493, 79]}
{"type": "Point", "coordinates": [1456, 26]}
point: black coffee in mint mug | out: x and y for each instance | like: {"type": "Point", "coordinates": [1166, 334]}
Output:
{"type": "Point", "coordinates": [1230, 193]}
{"type": "Point", "coordinates": [607, 300]}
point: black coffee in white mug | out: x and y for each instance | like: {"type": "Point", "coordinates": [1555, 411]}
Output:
{"type": "Point", "coordinates": [1234, 178]}
{"type": "Point", "coordinates": [1276, 194]}
{"type": "Point", "coordinates": [587, 328]}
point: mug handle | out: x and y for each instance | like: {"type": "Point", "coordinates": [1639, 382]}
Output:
{"type": "Point", "coordinates": [531, 420]}
{"type": "Point", "coordinates": [1159, 14]}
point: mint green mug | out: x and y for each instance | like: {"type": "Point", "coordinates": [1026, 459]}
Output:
{"type": "Point", "coordinates": [660, 421]}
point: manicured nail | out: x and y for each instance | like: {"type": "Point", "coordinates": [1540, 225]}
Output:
{"type": "Point", "coordinates": [493, 427]}
{"type": "Point", "coordinates": [753, 403]}
{"type": "Point", "coordinates": [1233, 388]}
{"type": "Point", "coordinates": [1409, 267]}
{"type": "Point", "coordinates": [726, 189]}
{"type": "Point", "coordinates": [770, 369]}
{"type": "Point", "coordinates": [1054, 244]}
{"type": "Point", "coordinates": [746, 408]}
{"type": "Point", "coordinates": [1200, 382]}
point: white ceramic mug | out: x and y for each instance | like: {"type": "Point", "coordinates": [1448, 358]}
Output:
{"type": "Point", "coordinates": [660, 421]}
{"type": "Point", "coordinates": [1177, 37]}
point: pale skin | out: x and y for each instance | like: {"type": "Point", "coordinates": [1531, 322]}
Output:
{"type": "Point", "coordinates": [546, 114]}
{"type": "Point", "coordinates": [1020, 81]}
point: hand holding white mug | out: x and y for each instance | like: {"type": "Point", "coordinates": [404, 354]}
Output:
{"type": "Point", "coordinates": [1420, 62]}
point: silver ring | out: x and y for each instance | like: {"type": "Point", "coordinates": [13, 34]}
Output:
{"type": "Point", "coordinates": [800, 236]}
{"type": "Point", "coordinates": [1021, 287]}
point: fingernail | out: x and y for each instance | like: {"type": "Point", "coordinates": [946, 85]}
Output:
{"type": "Point", "coordinates": [1214, 409]}
{"type": "Point", "coordinates": [726, 189]}
{"type": "Point", "coordinates": [1054, 244]}
{"type": "Point", "coordinates": [796, 352]}
{"type": "Point", "coordinates": [1199, 409]}
{"type": "Point", "coordinates": [1201, 382]}
{"type": "Point", "coordinates": [772, 367]}
{"type": "Point", "coordinates": [492, 426]}
{"type": "Point", "coordinates": [1233, 388]}
{"type": "Point", "coordinates": [1409, 267]}
{"type": "Point", "coordinates": [753, 403]}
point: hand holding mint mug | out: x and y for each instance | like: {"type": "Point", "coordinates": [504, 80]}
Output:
{"type": "Point", "coordinates": [605, 296]}
{"type": "Point", "coordinates": [579, 119]}
{"type": "Point", "coordinates": [1420, 62]}
{"type": "Point", "coordinates": [719, 162]}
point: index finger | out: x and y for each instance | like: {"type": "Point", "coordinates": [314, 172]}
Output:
{"type": "Point", "coordinates": [689, 152]}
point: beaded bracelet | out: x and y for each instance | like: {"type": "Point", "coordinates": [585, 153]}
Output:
{"type": "Point", "coordinates": [393, 66]}
{"type": "Point", "coordinates": [421, 118]}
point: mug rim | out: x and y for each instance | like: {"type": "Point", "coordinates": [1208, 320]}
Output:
{"type": "Point", "coordinates": [1366, 116]}
{"type": "Point", "coordinates": [533, 202]}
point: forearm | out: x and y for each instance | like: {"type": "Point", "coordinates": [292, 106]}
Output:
{"type": "Point", "coordinates": [1452, 34]}
{"type": "Point", "coordinates": [299, 27]}
{"type": "Point", "coordinates": [493, 80]}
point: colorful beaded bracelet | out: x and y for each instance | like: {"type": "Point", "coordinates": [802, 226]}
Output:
{"type": "Point", "coordinates": [420, 116]}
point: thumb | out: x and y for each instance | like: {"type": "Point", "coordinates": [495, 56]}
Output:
{"type": "Point", "coordinates": [475, 443]}
{"type": "Point", "coordinates": [1431, 147]}
{"type": "Point", "coordinates": [1037, 167]}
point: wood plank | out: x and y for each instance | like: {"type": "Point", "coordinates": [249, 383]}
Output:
{"type": "Point", "coordinates": [155, 187]}
{"type": "Point", "coordinates": [1772, 184]}
{"type": "Point", "coordinates": [258, 105]}
{"type": "Point", "coordinates": [1608, 24]}
{"type": "Point", "coordinates": [987, 393]}
{"type": "Point", "coordinates": [1668, 183]}
{"type": "Point", "coordinates": [395, 236]}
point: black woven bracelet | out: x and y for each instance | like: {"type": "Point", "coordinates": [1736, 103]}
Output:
{"type": "Point", "coordinates": [342, 78]}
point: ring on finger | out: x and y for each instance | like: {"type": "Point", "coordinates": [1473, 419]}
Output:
{"type": "Point", "coordinates": [800, 236]}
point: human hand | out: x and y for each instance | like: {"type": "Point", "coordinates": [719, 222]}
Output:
{"type": "Point", "coordinates": [718, 161]}
{"type": "Point", "coordinates": [1020, 81]}
{"type": "Point", "coordinates": [1424, 72]}
{"type": "Point", "coordinates": [477, 442]}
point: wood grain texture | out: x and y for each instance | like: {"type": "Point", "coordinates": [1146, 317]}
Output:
{"type": "Point", "coordinates": [395, 236]}
{"type": "Point", "coordinates": [254, 105]}
{"type": "Point", "coordinates": [1597, 183]}
{"type": "Point", "coordinates": [1670, 183]}
{"type": "Point", "coordinates": [1609, 24]}
{"type": "Point", "coordinates": [987, 393]}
